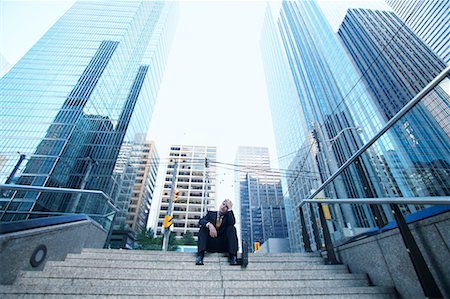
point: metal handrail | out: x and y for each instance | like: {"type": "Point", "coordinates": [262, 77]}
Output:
{"type": "Point", "coordinates": [426, 279]}
{"type": "Point", "coordinates": [386, 127]}
{"type": "Point", "coordinates": [426, 200]}
{"type": "Point", "coordinates": [29, 188]}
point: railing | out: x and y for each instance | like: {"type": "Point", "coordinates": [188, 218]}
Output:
{"type": "Point", "coordinates": [403, 169]}
{"type": "Point", "coordinates": [22, 202]}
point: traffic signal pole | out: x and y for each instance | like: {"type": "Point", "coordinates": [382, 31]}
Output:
{"type": "Point", "coordinates": [165, 245]}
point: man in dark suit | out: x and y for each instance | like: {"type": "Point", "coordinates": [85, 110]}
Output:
{"type": "Point", "coordinates": [218, 234]}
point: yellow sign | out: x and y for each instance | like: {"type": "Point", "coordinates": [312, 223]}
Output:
{"type": "Point", "coordinates": [326, 212]}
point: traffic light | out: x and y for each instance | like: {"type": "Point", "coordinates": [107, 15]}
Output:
{"type": "Point", "coordinates": [206, 163]}
{"type": "Point", "coordinates": [175, 195]}
{"type": "Point", "coordinates": [167, 221]}
{"type": "Point", "coordinates": [256, 246]}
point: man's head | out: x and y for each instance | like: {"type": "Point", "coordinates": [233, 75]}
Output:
{"type": "Point", "coordinates": [225, 206]}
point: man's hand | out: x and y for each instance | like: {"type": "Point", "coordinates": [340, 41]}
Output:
{"type": "Point", "coordinates": [228, 203]}
{"type": "Point", "coordinates": [212, 231]}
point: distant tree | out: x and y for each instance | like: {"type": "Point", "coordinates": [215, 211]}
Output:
{"type": "Point", "coordinates": [147, 241]}
{"type": "Point", "coordinates": [173, 242]}
{"type": "Point", "coordinates": [188, 239]}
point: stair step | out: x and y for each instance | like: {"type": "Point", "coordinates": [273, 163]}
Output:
{"type": "Point", "coordinates": [187, 257]}
{"type": "Point", "coordinates": [188, 283]}
{"type": "Point", "coordinates": [159, 253]}
{"type": "Point", "coordinates": [143, 274]}
{"type": "Point", "coordinates": [308, 291]}
{"type": "Point", "coordinates": [182, 265]}
{"type": "Point", "coordinates": [191, 268]}
{"type": "Point", "coordinates": [191, 291]}
{"type": "Point", "coordinates": [97, 296]}
{"type": "Point", "coordinates": [111, 290]}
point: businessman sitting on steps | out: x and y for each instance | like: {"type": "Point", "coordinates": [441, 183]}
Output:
{"type": "Point", "coordinates": [218, 234]}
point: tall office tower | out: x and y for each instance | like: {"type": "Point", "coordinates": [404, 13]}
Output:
{"type": "Point", "coordinates": [396, 65]}
{"type": "Point", "coordinates": [140, 164]}
{"type": "Point", "coordinates": [144, 186]}
{"type": "Point", "coordinates": [249, 157]}
{"type": "Point", "coordinates": [429, 19]}
{"type": "Point", "coordinates": [260, 194]}
{"type": "Point", "coordinates": [195, 179]}
{"type": "Point", "coordinates": [321, 115]}
{"type": "Point", "coordinates": [85, 88]}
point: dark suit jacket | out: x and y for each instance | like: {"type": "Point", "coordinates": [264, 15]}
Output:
{"type": "Point", "coordinates": [211, 216]}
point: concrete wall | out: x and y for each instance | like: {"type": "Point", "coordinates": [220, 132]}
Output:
{"type": "Point", "coordinates": [17, 248]}
{"type": "Point", "coordinates": [385, 260]}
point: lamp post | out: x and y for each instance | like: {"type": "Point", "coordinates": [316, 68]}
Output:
{"type": "Point", "coordinates": [165, 245]}
{"type": "Point", "coordinates": [16, 167]}
{"type": "Point", "coordinates": [333, 140]}
{"type": "Point", "coordinates": [379, 220]}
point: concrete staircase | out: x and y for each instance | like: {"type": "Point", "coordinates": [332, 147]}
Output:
{"type": "Point", "coordinates": [102, 273]}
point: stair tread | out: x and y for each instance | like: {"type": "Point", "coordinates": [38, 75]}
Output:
{"type": "Point", "coordinates": [117, 290]}
{"type": "Point", "coordinates": [130, 273]}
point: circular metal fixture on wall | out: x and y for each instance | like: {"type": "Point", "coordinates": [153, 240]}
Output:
{"type": "Point", "coordinates": [38, 256]}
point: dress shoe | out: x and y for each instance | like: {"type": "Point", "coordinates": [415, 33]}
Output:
{"type": "Point", "coordinates": [199, 260]}
{"type": "Point", "coordinates": [233, 260]}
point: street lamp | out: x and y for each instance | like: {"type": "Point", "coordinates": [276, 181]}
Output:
{"type": "Point", "coordinates": [359, 165]}
{"type": "Point", "coordinates": [333, 140]}
{"type": "Point", "coordinates": [16, 168]}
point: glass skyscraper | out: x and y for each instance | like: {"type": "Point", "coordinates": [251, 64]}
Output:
{"type": "Point", "coordinates": [87, 87]}
{"type": "Point", "coordinates": [262, 212]}
{"type": "Point", "coordinates": [404, 65]}
{"type": "Point", "coordinates": [322, 114]}
{"type": "Point", "coordinates": [429, 19]}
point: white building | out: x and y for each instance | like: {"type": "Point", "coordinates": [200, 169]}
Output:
{"type": "Point", "coordinates": [195, 179]}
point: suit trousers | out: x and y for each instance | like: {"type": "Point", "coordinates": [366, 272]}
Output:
{"type": "Point", "coordinates": [226, 241]}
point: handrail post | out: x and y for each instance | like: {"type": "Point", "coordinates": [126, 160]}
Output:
{"type": "Point", "coordinates": [305, 236]}
{"type": "Point", "coordinates": [314, 226]}
{"type": "Point", "coordinates": [426, 279]}
{"type": "Point", "coordinates": [331, 256]}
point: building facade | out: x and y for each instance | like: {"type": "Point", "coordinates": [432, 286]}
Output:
{"type": "Point", "coordinates": [139, 168]}
{"type": "Point", "coordinates": [404, 66]}
{"type": "Point", "coordinates": [262, 213]}
{"type": "Point", "coordinates": [195, 180]}
{"type": "Point", "coordinates": [322, 114]}
{"type": "Point", "coordinates": [85, 88]}
{"type": "Point", "coordinates": [428, 19]}
{"type": "Point", "coordinates": [144, 187]}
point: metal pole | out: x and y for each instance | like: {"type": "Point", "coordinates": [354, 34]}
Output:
{"type": "Point", "coordinates": [315, 228]}
{"type": "Point", "coordinates": [426, 279]}
{"type": "Point", "coordinates": [305, 235]}
{"type": "Point", "coordinates": [205, 189]}
{"type": "Point", "coordinates": [379, 221]}
{"type": "Point", "coordinates": [16, 167]}
{"type": "Point", "coordinates": [331, 256]}
{"type": "Point", "coordinates": [169, 209]}
{"type": "Point", "coordinates": [202, 210]}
